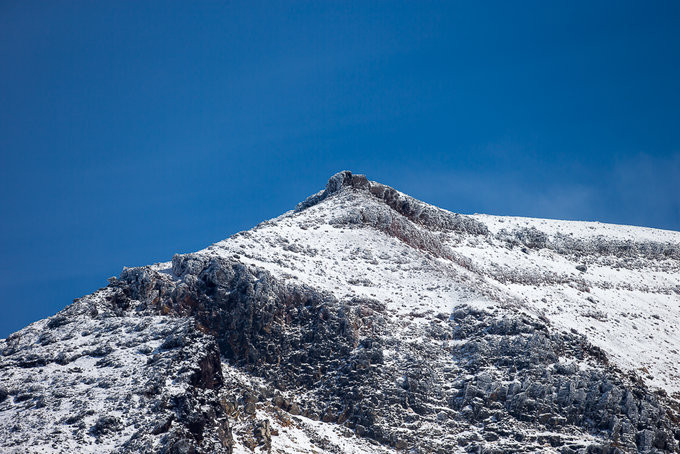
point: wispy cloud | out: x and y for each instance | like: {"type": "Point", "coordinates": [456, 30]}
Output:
{"type": "Point", "coordinates": [646, 190]}
{"type": "Point", "coordinates": [638, 190]}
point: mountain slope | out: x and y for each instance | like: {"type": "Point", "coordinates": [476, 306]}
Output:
{"type": "Point", "coordinates": [366, 321]}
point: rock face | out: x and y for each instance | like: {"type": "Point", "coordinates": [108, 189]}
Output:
{"type": "Point", "coordinates": [361, 322]}
{"type": "Point", "coordinates": [408, 207]}
{"type": "Point", "coordinates": [90, 378]}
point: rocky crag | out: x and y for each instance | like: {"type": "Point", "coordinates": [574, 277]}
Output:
{"type": "Point", "coordinates": [365, 321]}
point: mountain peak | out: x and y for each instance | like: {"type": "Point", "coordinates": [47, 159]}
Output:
{"type": "Point", "coordinates": [346, 179]}
{"type": "Point", "coordinates": [365, 321]}
{"type": "Point", "coordinates": [413, 209]}
{"type": "Point", "coordinates": [336, 183]}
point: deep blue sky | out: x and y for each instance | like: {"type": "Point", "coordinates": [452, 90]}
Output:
{"type": "Point", "coordinates": [132, 131]}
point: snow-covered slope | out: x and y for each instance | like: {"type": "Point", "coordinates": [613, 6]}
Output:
{"type": "Point", "coordinates": [617, 285]}
{"type": "Point", "coordinates": [366, 321]}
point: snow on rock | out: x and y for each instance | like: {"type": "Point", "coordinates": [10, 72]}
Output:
{"type": "Point", "coordinates": [421, 260]}
{"type": "Point", "coordinates": [90, 380]}
{"type": "Point", "coordinates": [365, 321]}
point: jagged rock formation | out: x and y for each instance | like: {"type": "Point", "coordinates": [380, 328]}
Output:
{"type": "Point", "coordinates": [95, 378]}
{"type": "Point", "coordinates": [364, 321]}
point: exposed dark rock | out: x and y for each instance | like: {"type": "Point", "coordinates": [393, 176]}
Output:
{"type": "Point", "coordinates": [567, 245]}
{"type": "Point", "coordinates": [263, 434]}
{"type": "Point", "coordinates": [310, 342]}
{"type": "Point", "coordinates": [409, 207]}
{"type": "Point", "coordinates": [105, 425]}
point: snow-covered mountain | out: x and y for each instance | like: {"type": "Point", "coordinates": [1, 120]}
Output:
{"type": "Point", "coordinates": [365, 321]}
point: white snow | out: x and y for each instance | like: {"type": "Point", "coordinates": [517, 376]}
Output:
{"type": "Point", "coordinates": [628, 307]}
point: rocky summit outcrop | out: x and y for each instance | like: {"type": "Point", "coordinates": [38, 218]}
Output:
{"type": "Point", "coordinates": [406, 206]}
{"type": "Point", "coordinates": [361, 322]}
